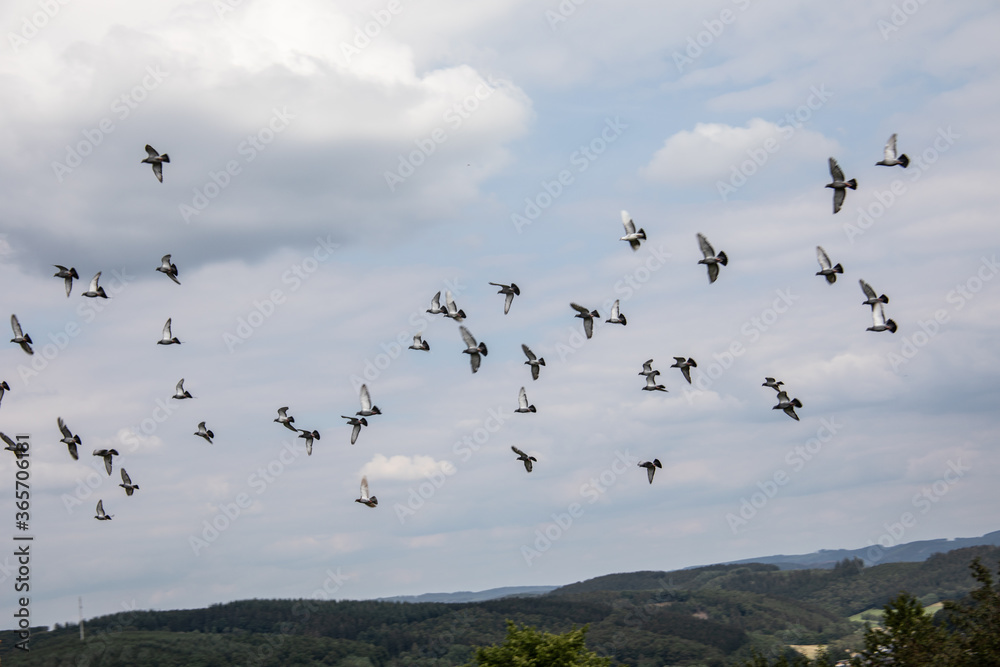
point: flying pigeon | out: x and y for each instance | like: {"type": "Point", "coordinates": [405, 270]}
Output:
{"type": "Point", "coordinates": [772, 383]}
{"type": "Point", "coordinates": [890, 159]}
{"type": "Point", "coordinates": [651, 384]}
{"type": "Point", "coordinates": [95, 289]}
{"type": "Point", "coordinates": [107, 455]}
{"type": "Point", "coordinates": [168, 269]}
{"type": "Point", "coordinates": [870, 298]}
{"type": "Point", "coordinates": [285, 420]}
{"type": "Point", "coordinates": [309, 436]}
{"type": "Point", "coordinates": [532, 361]}
{"type": "Point", "coordinates": [367, 409]}
{"type": "Point", "coordinates": [156, 160]}
{"type": "Point", "coordinates": [521, 456]}
{"type": "Point", "coordinates": [167, 338]}
{"type": "Point", "coordinates": [180, 392]}
{"type": "Point", "coordinates": [419, 343]}
{"type": "Point", "coordinates": [19, 337]}
{"type": "Point", "coordinates": [436, 308]}
{"type": "Point", "coordinates": [588, 318]}
{"type": "Point", "coordinates": [453, 310]}
{"type": "Point", "coordinates": [522, 402]}
{"type": "Point", "coordinates": [879, 323]}
{"type": "Point", "coordinates": [685, 366]}
{"type": "Point", "coordinates": [357, 424]}
{"type": "Point", "coordinates": [711, 260]}
{"type": "Point", "coordinates": [203, 432]}
{"type": "Point", "coordinates": [647, 369]}
{"type": "Point", "coordinates": [3, 387]}
{"type": "Point", "coordinates": [839, 185]}
{"type": "Point", "coordinates": [788, 405]}
{"type": "Point", "coordinates": [19, 448]}
{"type": "Point", "coordinates": [67, 275]}
{"type": "Point", "coordinates": [472, 349]}
{"type": "Point", "coordinates": [101, 516]}
{"type": "Point", "coordinates": [67, 437]}
{"type": "Point", "coordinates": [127, 484]}
{"type": "Point", "coordinates": [826, 270]}
{"type": "Point", "coordinates": [633, 237]}
{"type": "Point", "coordinates": [365, 499]}
{"type": "Point", "coordinates": [651, 467]}
{"type": "Point", "coordinates": [509, 291]}
{"type": "Point", "coordinates": [616, 315]}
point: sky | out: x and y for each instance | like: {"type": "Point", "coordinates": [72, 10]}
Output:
{"type": "Point", "coordinates": [333, 165]}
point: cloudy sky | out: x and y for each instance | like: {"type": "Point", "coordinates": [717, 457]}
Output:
{"type": "Point", "coordinates": [333, 165]}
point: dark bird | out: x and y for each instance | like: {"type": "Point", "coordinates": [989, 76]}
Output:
{"type": "Point", "coordinates": [19, 448]}
{"type": "Point", "coordinates": [522, 402]}
{"type": "Point", "coordinates": [711, 260]}
{"type": "Point", "coordinates": [521, 456]}
{"type": "Point", "coordinates": [157, 160]}
{"type": "Point", "coordinates": [309, 436]}
{"type": "Point", "coordinates": [633, 237]}
{"type": "Point", "coordinates": [879, 323]}
{"type": "Point", "coordinates": [357, 424]}
{"type": "Point", "coordinates": [203, 432]}
{"type": "Point", "coordinates": [616, 315]}
{"type": "Point", "coordinates": [419, 343]}
{"type": "Point", "coordinates": [285, 420]}
{"type": "Point", "coordinates": [788, 405]}
{"type": "Point", "coordinates": [472, 349]}
{"type": "Point", "coordinates": [890, 159]}
{"type": "Point", "coordinates": [69, 439]}
{"type": "Point", "coordinates": [67, 275]}
{"type": "Point", "coordinates": [366, 499]}
{"type": "Point", "coordinates": [870, 298]}
{"type": "Point", "coordinates": [127, 484]}
{"type": "Point", "coordinates": [651, 467]}
{"type": "Point", "coordinates": [167, 338]}
{"type": "Point", "coordinates": [825, 268]}
{"type": "Point", "coordinates": [367, 409]}
{"type": "Point", "coordinates": [168, 269]}
{"type": "Point", "coordinates": [509, 291]}
{"type": "Point", "coordinates": [107, 455]}
{"type": "Point", "coordinates": [180, 392]}
{"type": "Point", "coordinates": [839, 185]}
{"type": "Point", "coordinates": [685, 366]}
{"type": "Point", "coordinates": [587, 316]}
{"type": "Point", "coordinates": [101, 516]}
{"type": "Point", "coordinates": [532, 361]}
{"type": "Point", "coordinates": [19, 337]}
{"type": "Point", "coordinates": [95, 289]}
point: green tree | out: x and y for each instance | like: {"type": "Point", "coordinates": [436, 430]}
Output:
{"type": "Point", "coordinates": [975, 639]}
{"type": "Point", "coordinates": [527, 647]}
{"type": "Point", "coordinates": [908, 637]}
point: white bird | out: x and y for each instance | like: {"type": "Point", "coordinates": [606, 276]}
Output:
{"type": "Point", "coordinates": [167, 338]}
{"type": "Point", "coordinates": [616, 315]}
{"type": "Point", "coordinates": [772, 383]}
{"type": "Point", "coordinates": [826, 269]}
{"type": "Point", "coordinates": [357, 424]}
{"type": "Point", "coordinates": [472, 349]}
{"type": "Point", "coordinates": [685, 366]}
{"type": "Point", "coordinates": [366, 499]}
{"type": "Point", "coordinates": [651, 467]}
{"type": "Point", "coordinates": [367, 409]}
{"type": "Point", "coordinates": [453, 310]}
{"type": "Point", "coordinates": [839, 185]}
{"type": "Point", "coordinates": [69, 439]}
{"type": "Point", "coordinates": [522, 402]}
{"type": "Point", "coordinates": [101, 516]}
{"type": "Point", "coordinates": [587, 316]}
{"type": "Point", "coordinates": [19, 336]}
{"type": "Point", "coordinates": [788, 405]}
{"type": "Point", "coordinates": [419, 343]}
{"type": "Point", "coordinates": [180, 392]}
{"type": "Point", "coordinates": [168, 269]}
{"type": "Point", "coordinates": [95, 289]}
{"type": "Point", "coordinates": [309, 436]}
{"type": "Point", "coordinates": [127, 484]}
{"type": "Point", "coordinates": [157, 160]}
{"type": "Point", "coordinates": [436, 308]}
{"type": "Point", "coordinates": [521, 456]}
{"type": "Point", "coordinates": [532, 361]}
{"type": "Point", "coordinates": [633, 237]}
{"type": "Point", "coordinates": [285, 420]}
{"type": "Point", "coordinates": [711, 260]}
{"type": "Point", "coordinates": [203, 432]}
{"type": "Point", "coordinates": [647, 369]}
{"type": "Point", "coordinates": [651, 384]}
{"type": "Point", "coordinates": [870, 298]}
{"type": "Point", "coordinates": [19, 448]}
{"type": "Point", "coordinates": [879, 323]}
{"type": "Point", "coordinates": [67, 275]}
{"type": "Point", "coordinates": [509, 291]}
{"type": "Point", "coordinates": [107, 455]}
{"type": "Point", "coordinates": [890, 159]}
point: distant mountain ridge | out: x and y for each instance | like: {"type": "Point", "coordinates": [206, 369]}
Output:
{"type": "Point", "coordinates": [470, 596]}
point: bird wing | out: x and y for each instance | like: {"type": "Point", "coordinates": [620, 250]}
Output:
{"type": "Point", "coordinates": [158, 170]}
{"type": "Point", "coordinates": [364, 487]}
{"type": "Point", "coordinates": [467, 337]}
{"type": "Point", "coordinates": [647, 367]}
{"type": "Point", "coordinates": [107, 463]}
{"type": "Point", "coordinates": [16, 326]}
{"type": "Point", "coordinates": [475, 359]}
{"type": "Point", "coordinates": [534, 371]}
{"type": "Point", "coordinates": [867, 289]}
{"type": "Point", "coordinates": [355, 431]}
{"type": "Point", "coordinates": [100, 508]}
{"type": "Point", "coordinates": [366, 399]}
{"type": "Point", "coordinates": [528, 352]}
{"type": "Point", "coordinates": [615, 313]}
{"type": "Point", "coordinates": [151, 152]}
{"type": "Point", "coordinates": [436, 302]}
{"type": "Point", "coordinates": [650, 471]}
{"type": "Point", "coordinates": [878, 315]}
{"type": "Point", "coordinates": [706, 247]}
{"type": "Point", "coordinates": [627, 221]}
{"type": "Point", "coordinates": [651, 381]}
{"type": "Point", "coordinates": [518, 451]}
{"type": "Point", "coordinates": [580, 308]}
{"type": "Point", "coordinates": [588, 326]}
{"type": "Point", "coordinates": [13, 446]}
{"type": "Point", "coordinates": [522, 398]}
{"type": "Point", "coordinates": [166, 330]}
{"type": "Point", "coordinates": [452, 308]}
{"type": "Point", "coordinates": [165, 262]}
{"type": "Point", "coordinates": [686, 372]}
{"type": "Point", "coordinates": [180, 386]}
{"type": "Point", "coordinates": [824, 259]}
{"type": "Point", "coordinates": [507, 301]}
{"type": "Point", "coordinates": [890, 148]}
{"type": "Point", "coordinates": [838, 198]}
{"type": "Point", "coordinates": [93, 282]}
{"type": "Point", "coordinates": [282, 413]}
{"type": "Point", "coordinates": [125, 478]}
{"type": "Point", "coordinates": [62, 427]}
{"type": "Point", "coordinates": [836, 171]}
{"type": "Point", "coordinates": [713, 273]}
{"type": "Point", "coordinates": [782, 396]}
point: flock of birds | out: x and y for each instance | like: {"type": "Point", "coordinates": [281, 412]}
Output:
{"type": "Point", "coordinates": [476, 350]}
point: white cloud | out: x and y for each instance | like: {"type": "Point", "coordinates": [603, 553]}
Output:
{"type": "Point", "coordinates": [400, 467]}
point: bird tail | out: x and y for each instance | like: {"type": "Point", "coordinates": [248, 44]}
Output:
{"type": "Point", "coordinates": [482, 348]}
{"type": "Point", "coordinates": [903, 160]}
{"type": "Point", "coordinates": [460, 314]}
{"type": "Point", "coordinates": [796, 402]}
{"type": "Point", "coordinates": [884, 299]}
{"type": "Point", "coordinates": [723, 259]}
{"type": "Point", "coordinates": [594, 313]}
{"type": "Point", "coordinates": [27, 339]}
{"type": "Point", "coordinates": [641, 233]}
{"type": "Point", "coordinates": [839, 268]}
{"type": "Point", "coordinates": [891, 326]}
{"type": "Point", "coordinates": [541, 361]}
{"type": "Point", "coordinates": [853, 184]}
{"type": "Point", "coordinates": [532, 408]}
{"type": "Point", "coordinates": [166, 158]}
{"type": "Point", "coordinates": [622, 318]}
